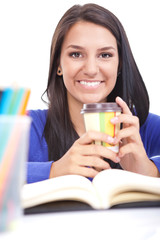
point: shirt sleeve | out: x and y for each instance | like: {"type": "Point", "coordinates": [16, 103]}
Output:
{"type": "Point", "coordinates": [150, 133]}
{"type": "Point", "coordinates": [156, 160]}
{"type": "Point", "coordinates": [38, 165]}
{"type": "Point", "coordinates": [38, 171]}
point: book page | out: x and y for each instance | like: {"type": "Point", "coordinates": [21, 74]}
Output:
{"type": "Point", "coordinates": [68, 187]}
{"type": "Point", "coordinates": [133, 196]}
{"type": "Point", "coordinates": [112, 182]}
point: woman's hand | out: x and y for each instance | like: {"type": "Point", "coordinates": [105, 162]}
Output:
{"type": "Point", "coordinates": [132, 153]}
{"type": "Point", "coordinates": [85, 158]}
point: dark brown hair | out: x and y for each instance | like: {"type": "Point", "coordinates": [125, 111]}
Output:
{"type": "Point", "coordinates": [59, 130]}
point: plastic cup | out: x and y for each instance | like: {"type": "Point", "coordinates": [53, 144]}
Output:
{"type": "Point", "coordinates": [97, 117]}
{"type": "Point", "coordinates": [14, 143]}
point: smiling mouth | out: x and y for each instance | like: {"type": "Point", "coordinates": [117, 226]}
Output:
{"type": "Point", "coordinates": [90, 83]}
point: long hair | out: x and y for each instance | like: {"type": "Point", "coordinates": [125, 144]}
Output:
{"type": "Point", "coordinates": [59, 130]}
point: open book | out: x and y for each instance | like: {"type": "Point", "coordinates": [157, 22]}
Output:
{"type": "Point", "coordinates": [108, 188]}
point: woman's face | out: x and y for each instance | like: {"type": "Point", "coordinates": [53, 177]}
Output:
{"type": "Point", "coordinates": [89, 62]}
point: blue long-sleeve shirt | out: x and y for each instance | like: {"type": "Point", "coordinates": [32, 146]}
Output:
{"type": "Point", "coordinates": [38, 165]}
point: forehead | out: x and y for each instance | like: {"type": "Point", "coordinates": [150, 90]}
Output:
{"type": "Point", "coordinates": [86, 33]}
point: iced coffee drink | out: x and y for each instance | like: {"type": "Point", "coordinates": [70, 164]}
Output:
{"type": "Point", "coordinates": [97, 117]}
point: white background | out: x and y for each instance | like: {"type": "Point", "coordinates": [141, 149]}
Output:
{"type": "Point", "coordinates": [27, 26]}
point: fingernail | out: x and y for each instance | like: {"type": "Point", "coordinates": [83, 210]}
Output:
{"type": "Point", "coordinates": [115, 140]}
{"type": "Point", "coordinates": [120, 99]}
{"type": "Point", "coordinates": [114, 120]}
{"type": "Point", "coordinates": [110, 139]}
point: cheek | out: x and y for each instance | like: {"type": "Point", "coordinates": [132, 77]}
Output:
{"type": "Point", "coordinates": [71, 73]}
{"type": "Point", "coordinates": [68, 77]}
{"type": "Point", "coordinates": [111, 73]}
{"type": "Point", "coordinates": [68, 68]}
{"type": "Point", "coordinates": [111, 77]}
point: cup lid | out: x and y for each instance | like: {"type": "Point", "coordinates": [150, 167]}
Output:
{"type": "Point", "coordinates": [101, 107]}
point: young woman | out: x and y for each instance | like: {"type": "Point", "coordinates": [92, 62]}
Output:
{"type": "Point", "coordinates": [91, 61]}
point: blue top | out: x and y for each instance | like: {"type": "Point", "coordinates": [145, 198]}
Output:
{"type": "Point", "coordinates": [38, 165]}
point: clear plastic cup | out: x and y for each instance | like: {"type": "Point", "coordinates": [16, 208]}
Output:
{"type": "Point", "coordinates": [14, 143]}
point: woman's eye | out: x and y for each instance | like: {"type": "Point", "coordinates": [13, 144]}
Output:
{"type": "Point", "coordinates": [75, 54]}
{"type": "Point", "coordinates": [105, 55]}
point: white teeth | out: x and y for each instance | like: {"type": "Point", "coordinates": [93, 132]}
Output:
{"type": "Point", "coordinates": [90, 84]}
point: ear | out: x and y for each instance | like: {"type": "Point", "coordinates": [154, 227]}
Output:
{"type": "Point", "coordinates": [59, 71]}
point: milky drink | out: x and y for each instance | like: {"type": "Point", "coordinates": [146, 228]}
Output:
{"type": "Point", "coordinates": [97, 117]}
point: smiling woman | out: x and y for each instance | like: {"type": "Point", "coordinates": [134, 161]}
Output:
{"type": "Point", "coordinates": [91, 61]}
{"type": "Point", "coordinates": [89, 64]}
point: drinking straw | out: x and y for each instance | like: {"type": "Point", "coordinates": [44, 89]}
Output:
{"type": "Point", "coordinates": [8, 161]}
{"type": "Point", "coordinates": [6, 100]}
{"type": "Point", "coordinates": [22, 109]}
{"type": "Point", "coordinates": [9, 157]}
{"type": "Point", "coordinates": [14, 101]}
{"type": "Point", "coordinates": [5, 132]}
{"type": "Point", "coordinates": [1, 91]}
{"type": "Point", "coordinates": [17, 103]}
{"type": "Point", "coordinates": [18, 106]}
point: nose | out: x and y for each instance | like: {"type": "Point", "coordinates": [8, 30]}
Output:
{"type": "Point", "coordinates": [91, 67]}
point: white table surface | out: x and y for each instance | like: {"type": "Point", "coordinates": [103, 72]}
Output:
{"type": "Point", "coordinates": [137, 224]}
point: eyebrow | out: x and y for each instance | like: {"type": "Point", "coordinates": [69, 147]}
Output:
{"type": "Point", "coordinates": [99, 49]}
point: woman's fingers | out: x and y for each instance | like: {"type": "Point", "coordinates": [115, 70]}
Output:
{"type": "Point", "coordinates": [86, 171]}
{"type": "Point", "coordinates": [89, 166]}
{"type": "Point", "coordinates": [130, 133]}
{"type": "Point", "coordinates": [93, 136]}
{"type": "Point", "coordinates": [130, 123]}
{"type": "Point", "coordinates": [95, 162]}
{"type": "Point", "coordinates": [123, 105]}
{"type": "Point", "coordinates": [128, 148]}
{"type": "Point", "coordinates": [96, 150]}
{"type": "Point", "coordinates": [126, 119]}
{"type": "Point", "coordinates": [86, 158]}
{"type": "Point", "coordinates": [78, 163]}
